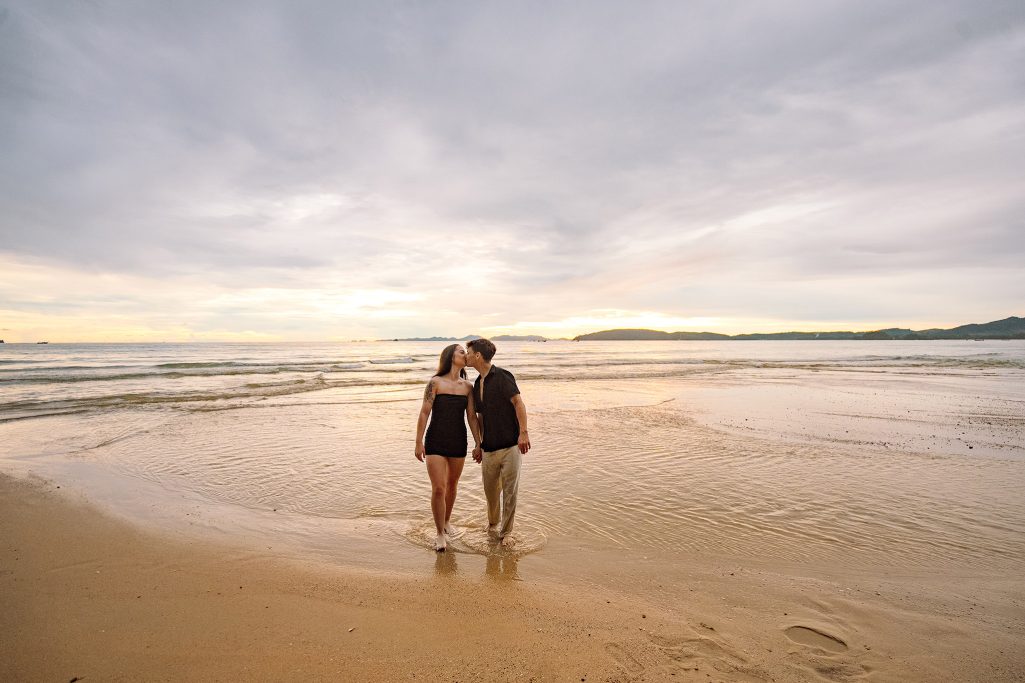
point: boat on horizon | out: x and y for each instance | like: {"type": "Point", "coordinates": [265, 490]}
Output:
{"type": "Point", "coordinates": [42, 342]}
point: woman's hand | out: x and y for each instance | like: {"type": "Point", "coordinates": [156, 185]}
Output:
{"type": "Point", "coordinates": [419, 451]}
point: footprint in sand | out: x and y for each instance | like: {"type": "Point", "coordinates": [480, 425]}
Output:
{"type": "Point", "coordinates": [624, 659]}
{"type": "Point", "coordinates": [814, 637]}
{"type": "Point", "coordinates": [827, 653]}
{"type": "Point", "coordinates": [688, 656]}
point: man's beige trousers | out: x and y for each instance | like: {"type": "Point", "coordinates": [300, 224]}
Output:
{"type": "Point", "coordinates": [501, 473]}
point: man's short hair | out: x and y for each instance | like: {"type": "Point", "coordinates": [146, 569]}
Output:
{"type": "Point", "coordinates": [485, 347]}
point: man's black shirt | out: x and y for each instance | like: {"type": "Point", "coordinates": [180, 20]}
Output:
{"type": "Point", "coordinates": [501, 428]}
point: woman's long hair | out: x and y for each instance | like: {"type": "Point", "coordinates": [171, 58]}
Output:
{"type": "Point", "coordinates": [445, 362]}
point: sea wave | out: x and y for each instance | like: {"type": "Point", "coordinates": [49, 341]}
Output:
{"type": "Point", "coordinates": [15, 410]}
{"type": "Point", "coordinates": [887, 362]}
{"type": "Point", "coordinates": [218, 364]}
{"type": "Point", "coordinates": [390, 370]}
{"type": "Point", "coordinates": [172, 371]}
{"type": "Point", "coordinates": [75, 379]}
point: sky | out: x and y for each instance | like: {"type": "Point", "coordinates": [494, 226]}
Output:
{"type": "Point", "coordinates": [363, 170]}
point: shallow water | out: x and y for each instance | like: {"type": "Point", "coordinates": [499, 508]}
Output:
{"type": "Point", "coordinates": [895, 455]}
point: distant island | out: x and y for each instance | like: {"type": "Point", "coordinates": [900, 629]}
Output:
{"type": "Point", "coordinates": [501, 337]}
{"type": "Point", "coordinates": [1008, 328]}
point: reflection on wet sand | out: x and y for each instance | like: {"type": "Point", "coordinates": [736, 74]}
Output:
{"type": "Point", "coordinates": [445, 564]}
{"type": "Point", "coordinates": [499, 565]}
{"type": "Point", "coordinates": [503, 566]}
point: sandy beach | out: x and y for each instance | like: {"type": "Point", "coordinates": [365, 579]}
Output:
{"type": "Point", "coordinates": [86, 596]}
{"type": "Point", "coordinates": [89, 597]}
{"type": "Point", "coordinates": [689, 513]}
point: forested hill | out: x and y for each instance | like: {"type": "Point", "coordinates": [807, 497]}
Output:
{"type": "Point", "coordinates": [1008, 328]}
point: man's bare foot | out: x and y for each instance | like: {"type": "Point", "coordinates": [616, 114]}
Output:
{"type": "Point", "coordinates": [508, 542]}
{"type": "Point", "coordinates": [440, 544]}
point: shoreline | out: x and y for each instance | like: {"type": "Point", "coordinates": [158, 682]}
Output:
{"type": "Point", "coordinates": [91, 596]}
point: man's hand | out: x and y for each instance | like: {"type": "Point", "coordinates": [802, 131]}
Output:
{"type": "Point", "coordinates": [524, 442]}
{"type": "Point", "coordinates": [419, 452]}
{"type": "Point", "coordinates": [478, 454]}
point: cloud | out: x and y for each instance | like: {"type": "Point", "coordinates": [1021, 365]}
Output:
{"type": "Point", "coordinates": [517, 163]}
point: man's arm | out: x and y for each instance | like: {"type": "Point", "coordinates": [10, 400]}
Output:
{"type": "Point", "coordinates": [521, 417]}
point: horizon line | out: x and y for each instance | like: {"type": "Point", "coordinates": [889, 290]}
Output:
{"type": "Point", "coordinates": [453, 338]}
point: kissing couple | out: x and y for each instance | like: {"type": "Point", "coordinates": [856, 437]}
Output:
{"type": "Point", "coordinates": [494, 409]}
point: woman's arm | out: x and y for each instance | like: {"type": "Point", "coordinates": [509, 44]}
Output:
{"type": "Point", "coordinates": [471, 418]}
{"type": "Point", "coordinates": [421, 422]}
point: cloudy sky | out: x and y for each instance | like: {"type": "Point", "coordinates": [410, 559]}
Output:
{"type": "Point", "coordinates": [326, 170]}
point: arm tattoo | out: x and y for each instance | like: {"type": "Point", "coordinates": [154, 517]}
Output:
{"type": "Point", "coordinates": [429, 392]}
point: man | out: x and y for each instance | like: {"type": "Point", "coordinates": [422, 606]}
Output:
{"type": "Point", "coordinates": [503, 419]}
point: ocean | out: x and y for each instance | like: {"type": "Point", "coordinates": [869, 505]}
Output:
{"type": "Point", "coordinates": [862, 454]}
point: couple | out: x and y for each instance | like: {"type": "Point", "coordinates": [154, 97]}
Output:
{"type": "Point", "coordinates": [494, 409]}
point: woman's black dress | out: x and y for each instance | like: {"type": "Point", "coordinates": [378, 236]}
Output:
{"type": "Point", "coordinates": [446, 435]}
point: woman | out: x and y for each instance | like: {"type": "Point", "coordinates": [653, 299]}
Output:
{"type": "Point", "coordinates": [447, 398]}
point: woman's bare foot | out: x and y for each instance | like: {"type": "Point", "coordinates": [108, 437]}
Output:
{"type": "Point", "coordinates": [451, 531]}
{"type": "Point", "coordinates": [508, 542]}
{"type": "Point", "coordinates": [440, 544]}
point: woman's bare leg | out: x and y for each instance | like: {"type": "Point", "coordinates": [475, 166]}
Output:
{"type": "Point", "coordinates": [437, 470]}
{"type": "Point", "coordinates": [455, 469]}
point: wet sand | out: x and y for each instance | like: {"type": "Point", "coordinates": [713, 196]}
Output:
{"type": "Point", "coordinates": [89, 596]}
